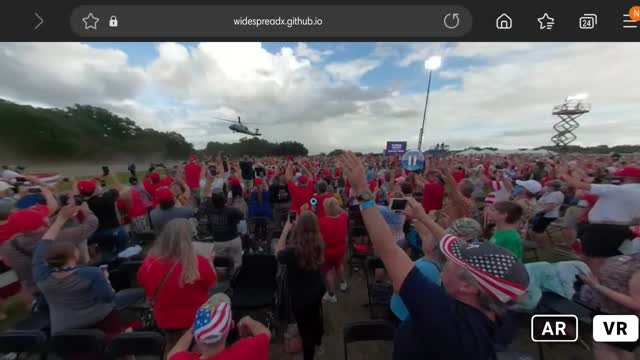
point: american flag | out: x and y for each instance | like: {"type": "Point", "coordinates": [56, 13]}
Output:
{"type": "Point", "coordinates": [212, 324]}
{"type": "Point", "coordinates": [489, 269]}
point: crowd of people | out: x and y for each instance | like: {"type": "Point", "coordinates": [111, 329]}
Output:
{"type": "Point", "coordinates": [454, 252]}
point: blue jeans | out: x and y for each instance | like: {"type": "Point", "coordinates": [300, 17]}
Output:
{"type": "Point", "coordinates": [107, 239]}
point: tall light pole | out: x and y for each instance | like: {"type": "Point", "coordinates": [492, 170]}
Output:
{"type": "Point", "coordinates": [432, 63]}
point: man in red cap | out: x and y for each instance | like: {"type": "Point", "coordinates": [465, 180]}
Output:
{"type": "Point", "coordinates": [153, 181]}
{"type": "Point", "coordinates": [166, 209]}
{"type": "Point", "coordinates": [617, 208]}
{"type": "Point", "coordinates": [302, 192]}
{"type": "Point", "coordinates": [192, 172]}
{"type": "Point", "coordinates": [29, 225]}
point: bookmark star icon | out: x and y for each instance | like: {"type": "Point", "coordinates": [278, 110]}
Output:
{"type": "Point", "coordinates": [90, 22]}
{"type": "Point", "coordinates": [546, 22]}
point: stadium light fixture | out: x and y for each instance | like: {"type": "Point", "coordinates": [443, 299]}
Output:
{"type": "Point", "coordinates": [433, 63]}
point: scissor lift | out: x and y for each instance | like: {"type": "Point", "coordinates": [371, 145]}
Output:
{"type": "Point", "coordinates": [568, 113]}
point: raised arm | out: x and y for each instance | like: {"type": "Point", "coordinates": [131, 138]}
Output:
{"type": "Point", "coordinates": [39, 265]}
{"type": "Point", "coordinates": [396, 261]}
{"type": "Point", "coordinates": [289, 172]}
{"type": "Point", "coordinates": [52, 202]}
{"type": "Point", "coordinates": [573, 182]}
{"type": "Point", "coordinates": [282, 241]}
{"type": "Point", "coordinates": [417, 212]}
{"type": "Point", "coordinates": [456, 196]}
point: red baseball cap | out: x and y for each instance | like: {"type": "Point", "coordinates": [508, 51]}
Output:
{"type": "Point", "coordinates": [302, 179]}
{"type": "Point", "coordinates": [258, 182]}
{"type": "Point", "coordinates": [87, 187]}
{"type": "Point", "coordinates": [632, 172]}
{"type": "Point", "coordinates": [234, 181]}
{"type": "Point", "coordinates": [154, 176]}
{"type": "Point", "coordinates": [373, 184]}
{"type": "Point", "coordinates": [28, 220]}
{"type": "Point", "coordinates": [164, 194]}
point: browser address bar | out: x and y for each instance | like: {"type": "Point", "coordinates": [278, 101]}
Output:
{"type": "Point", "coordinates": [373, 22]}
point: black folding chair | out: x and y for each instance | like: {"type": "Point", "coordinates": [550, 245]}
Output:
{"type": "Point", "coordinates": [370, 330]}
{"type": "Point", "coordinates": [378, 293]}
{"type": "Point", "coordinates": [259, 230]}
{"type": "Point", "coordinates": [143, 343]}
{"type": "Point", "coordinates": [254, 286]}
{"type": "Point", "coordinates": [69, 344]}
{"type": "Point", "coordinates": [224, 269]}
{"type": "Point", "coordinates": [30, 342]}
{"type": "Point", "coordinates": [552, 303]}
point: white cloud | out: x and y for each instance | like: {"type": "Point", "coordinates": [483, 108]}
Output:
{"type": "Point", "coordinates": [352, 70]}
{"type": "Point", "coordinates": [495, 94]}
{"type": "Point", "coordinates": [305, 51]}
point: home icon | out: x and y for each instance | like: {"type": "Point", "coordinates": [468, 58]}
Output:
{"type": "Point", "coordinates": [504, 22]}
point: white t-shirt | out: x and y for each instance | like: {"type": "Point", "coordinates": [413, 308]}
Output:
{"type": "Point", "coordinates": [9, 174]}
{"type": "Point", "coordinates": [617, 204]}
{"type": "Point", "coordinates": [555, 197]}
{"type": "Point", "coordinates": [216, 187]}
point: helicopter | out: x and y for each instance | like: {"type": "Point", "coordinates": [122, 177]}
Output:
{"type": "Point", "coordinates": [240, 127]}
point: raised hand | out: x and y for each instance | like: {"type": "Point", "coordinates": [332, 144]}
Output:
{"type": "Point", "coordinates": [354, 171]}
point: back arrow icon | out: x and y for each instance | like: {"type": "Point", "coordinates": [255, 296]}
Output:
{"type": "Point", "coordinates": [40, 22]}
{"type": "Point", "coordinates": [456, 20]}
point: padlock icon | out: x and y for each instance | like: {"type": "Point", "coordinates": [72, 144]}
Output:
{"type": "Point", "coordinates": [113, 21]}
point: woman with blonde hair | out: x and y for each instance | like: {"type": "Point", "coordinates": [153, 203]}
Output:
{"type": "Point", "coordinates": [333, 228]}
{"type": "Point", "coordinates": [301, 250]}
{"type": "Point", "coordinates": [175, 279]}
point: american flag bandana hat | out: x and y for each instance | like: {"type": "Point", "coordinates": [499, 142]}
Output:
{"type": "Point", "coordinates": [495, 269]}
{"type": "Point", "coordinates": [212, 323]}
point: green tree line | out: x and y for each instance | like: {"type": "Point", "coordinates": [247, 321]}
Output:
{"type": "Point", "coordinates": [256, 147]}
{"type": "Point", "coordinates": [85, 132]}
{"type": "Point", "coordinates": [81, 132]}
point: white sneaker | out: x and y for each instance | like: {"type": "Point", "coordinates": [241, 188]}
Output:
{"type": "Point", "coordinates": [328, 298]}
{"type": "Point", "coordinates": [344, 286]}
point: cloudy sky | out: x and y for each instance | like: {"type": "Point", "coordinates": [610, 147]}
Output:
{"type": "Point", "coordinates": [339, 95]}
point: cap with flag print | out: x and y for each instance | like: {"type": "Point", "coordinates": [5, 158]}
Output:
{"type": "Point", "coordinates": [496, 270]}
{"type": "Point", "coordinates": [213, 320]}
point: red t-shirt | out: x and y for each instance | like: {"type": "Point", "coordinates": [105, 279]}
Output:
{"type": "Point", "coordinates": [458, 176]}
{"type": "Point", "coordinates": [300, 195]}
{"type": "Point", "coordinates": [320, 205]}
{"type": "Point", "coordinates": [432, 196]}
{"type": "Point", "coordinates": [137, 207]}
{"type": "Point", "coordinates": [151, 188]}
{"type": "Point", "coordinates": [192, 175]}
{"type": "Point", "coordinates": [544, 181]}
{"type": "Point", "coordinates": [176, 305]}
{"type": "Point", "coordinates": [251, 348]}
{"type": "Point", "coordinates": [334, 233]}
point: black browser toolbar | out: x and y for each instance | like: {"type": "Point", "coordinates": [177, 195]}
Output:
{"type": "Point", "coordinates": [356, 20]}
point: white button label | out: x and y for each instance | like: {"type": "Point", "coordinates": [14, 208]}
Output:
{"type": "Point", "coordinates": [615, 328]}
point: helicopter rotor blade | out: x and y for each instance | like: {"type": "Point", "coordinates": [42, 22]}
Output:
{"type": "Point", "coordinates": [227, 120]}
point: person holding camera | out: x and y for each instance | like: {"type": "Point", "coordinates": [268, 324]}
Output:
{"type": "Point", "coordinates": [30, 226]}
{"type": "Point", "coordinates": [111, 237]}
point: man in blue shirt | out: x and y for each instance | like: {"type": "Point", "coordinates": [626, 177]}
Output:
{"type": "Point", "coordinates": [463, 319]}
